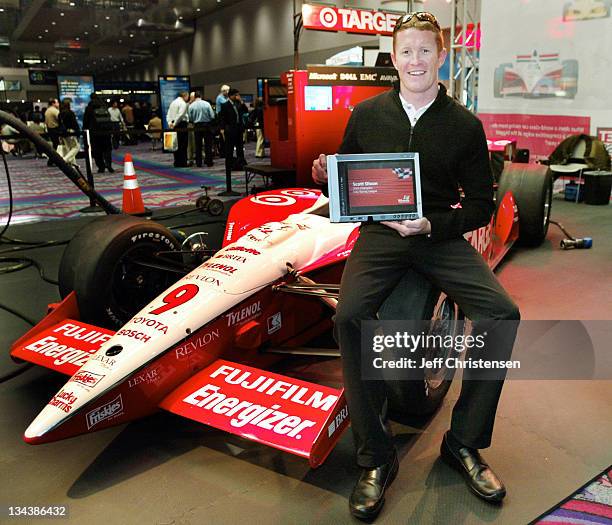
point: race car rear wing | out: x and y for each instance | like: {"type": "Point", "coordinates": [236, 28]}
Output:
{"type": "Point", "coordinates": [286, 413]}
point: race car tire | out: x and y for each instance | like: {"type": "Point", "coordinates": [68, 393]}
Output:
{"type": "Point", "coordinates": [99, 264]}
{"type": "Point", "coordinates": [531, 186]}
{"type": "Point", "coordinates": [423, 396]}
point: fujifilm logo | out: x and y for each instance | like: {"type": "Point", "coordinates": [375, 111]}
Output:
{"type": "Point", "coordinates": [111, 409]}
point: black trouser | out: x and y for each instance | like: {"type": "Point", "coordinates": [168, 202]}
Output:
{"type": "Point", "coordinates": [202, 130]}
{"type": "Point", "coordinates": [101, 148]}
{"type": "Point", "coordinates": [180, 155]}
{"type": "Point", "coordinates": [233, 139]}
{"type": "Point", "coordinates": [379, 260]}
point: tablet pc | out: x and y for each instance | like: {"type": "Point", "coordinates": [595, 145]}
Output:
{"type": "Point", "coordinates": [374, 187]}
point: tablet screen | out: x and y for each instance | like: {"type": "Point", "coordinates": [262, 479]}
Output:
{"type": "Point", "coordinates": [375, 188]}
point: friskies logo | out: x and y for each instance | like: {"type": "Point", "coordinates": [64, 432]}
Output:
{"type": "Point", "coordinates": [109, 410]}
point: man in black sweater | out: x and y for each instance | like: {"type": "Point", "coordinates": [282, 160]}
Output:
{"type": "Point", "coordinates": [418, 116]}
{"type": "Point", "coordinates": [232, 121]}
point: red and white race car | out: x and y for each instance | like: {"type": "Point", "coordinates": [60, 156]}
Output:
{"type": "Point", "coordinates": [536, 75]}
{"type": "Point", "coordinates": [148, 322]}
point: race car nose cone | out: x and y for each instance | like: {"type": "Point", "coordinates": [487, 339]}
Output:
{"type": "Point", "coordinates": [47, 420]}
{"type": "Point", "coordinates": [36, 430]}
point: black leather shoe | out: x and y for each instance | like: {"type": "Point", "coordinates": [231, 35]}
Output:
{"type": "Point", "coordinates": [479, 477]}
{"type": "Point", "coordinates": [368, 496]}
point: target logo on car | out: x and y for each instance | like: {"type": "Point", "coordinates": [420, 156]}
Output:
{"type": "Point", "coordinates": [273, 200]}
{"type": "Point", "coordinates": [300, 193]}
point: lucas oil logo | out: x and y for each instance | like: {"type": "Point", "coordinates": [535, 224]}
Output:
{"type": "Point", "coordinates": [108, 411]}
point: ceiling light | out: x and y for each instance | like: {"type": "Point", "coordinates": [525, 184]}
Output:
{"type": "Point", "coordinates": [121, 8]}
{"type": "Point", "coordinates": [77, 38]}
{"type": "Point", "coordinates": [86, 33]}
{"type": "Point", "coordinates": [71, 4]}
{"type": "Point", "coordinates": [107, 17]}
{"type": "Point", "coordinates": [46, 30]}
{"type": "Point", "coordinates": [166, 37]}
{"type": "Point", "coordinates": [53, 23]}
{"type": "Point", "coordinates": [131, 35]}
{"type": "Point", "coordinates": [39, 36]}
{"type": "Point", "coordinates": [120, 41]}
{"type": "Point", "coordinates": [198, 10]}
{"type": "Point", "coordinates": [96, 26]}
{"type": "Point", "coordinates": [61, 13]}
{"type": "Point", "coordinates": [153, 42]}
{"type": "Point", "coordinates": [180, 17]}
{"type": "Point", "coordinates": [1, 9]}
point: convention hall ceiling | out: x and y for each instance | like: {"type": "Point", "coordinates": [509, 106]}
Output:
{"type": "Point", "coordinates": [94, 36]}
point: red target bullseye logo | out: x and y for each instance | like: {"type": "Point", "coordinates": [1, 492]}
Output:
{"type": "Point", "coordinates": [299, 193]}
{"type": "Point", "coordinates": [273, 200]}
{"type": "Point", "coordinates": [328, 17]}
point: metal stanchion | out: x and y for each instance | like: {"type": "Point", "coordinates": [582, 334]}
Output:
{"type": "Point", "coordinates": [93, 207]}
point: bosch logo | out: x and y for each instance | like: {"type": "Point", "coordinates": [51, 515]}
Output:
{"type": "Point", "coordinates": [273, 200]}
{"type": "Point", "coordinates": [328, 17]}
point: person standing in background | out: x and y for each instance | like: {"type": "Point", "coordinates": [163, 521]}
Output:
{"type": "Point", "coordinates": [221, 99]}
{"type": "Point", "coordinates": [202, 116]}
{"type": "Point", "coordinates": [231, 119]}
{"type": "Point", "coordinates": [117, 120]}
{"type": "Point", "coordinates": [256, 119]}
{"type": "Point", "coordinates": [69, 142]}
{"type": "Point", "coordinates": [177, 120]}
{"type": "Point", "coordinates": [98, 121]}
{"type": "Point", "coordinates": [52, 123]}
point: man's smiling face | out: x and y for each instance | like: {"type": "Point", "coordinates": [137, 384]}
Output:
{"type": "Point", "coordinates": [417, 59]}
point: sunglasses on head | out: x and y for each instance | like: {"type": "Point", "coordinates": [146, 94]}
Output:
{"type": "Point", "coordinates": [421, 16]}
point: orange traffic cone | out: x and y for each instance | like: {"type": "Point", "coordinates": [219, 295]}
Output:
{"type": "Point", "coordinates": [132, 198]}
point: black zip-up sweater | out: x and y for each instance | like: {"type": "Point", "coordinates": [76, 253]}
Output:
{"type": "Point", "coordinates": [452, 151]}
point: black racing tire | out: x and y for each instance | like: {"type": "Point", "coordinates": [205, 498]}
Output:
{"type": "Point", "coordinates": [215, 207]}
{"type": "Point", "coordinates": [531, 185]}
{"type": "Point", "coordinates": [99, 264]}
{"type": "Point", "coordinates": [423, 397]}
